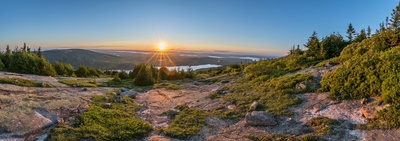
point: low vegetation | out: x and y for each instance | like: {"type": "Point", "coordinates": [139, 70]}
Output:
{"type": "Point", "coordinates": [187, 123]}
{"type": "Point", "coordinates": [282, 137]}
{"type": "Point", "coordinates": [79, 82]}
{"type": "Point", "coordinates": [273, 96]}
{"type": "Point", "coordinates": [169, 86]}
{"type": "Point", "coordinates": [101, 123]}
{"type": "Point", "coordinates": [23, 82]}
{"type": "Point", "coordinates": [323, 125]}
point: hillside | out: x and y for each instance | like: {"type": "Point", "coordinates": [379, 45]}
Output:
{"type": "Point", "coordinates": [77, 57]}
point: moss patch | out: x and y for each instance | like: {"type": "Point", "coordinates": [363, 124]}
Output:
{"type": "Point", "coordinates": [187, 123]}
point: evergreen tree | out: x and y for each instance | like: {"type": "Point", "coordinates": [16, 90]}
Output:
{"type": "Point", "coordinates": [23, 62]}
{"type": "Point", "coordinates": [350, 32]}
{"type": "Point", "coordinates": [312, 45]}
{"type": "Point", "coordinates": [154, 72]}
{"type": "Point", "coordinates": [6, 58]}
{"type": "Point", "coordinates": [39, 53]}
{"type": "Point", "coordinates": [64, 69]}
{"type": "Point", "coordinates": [25, 47]}
{"type": "Point", "coordinates": [82, 71]}
{"type": "Point", "coordinates": [395, 19]}
{"type": "Point", "coordinates": [163, 73]}
{"type": "Point", "coordinates": [135, 71]}
{"type": "Point", "coordinates": [190, 73]}
{"type": "Point", "coordinates": [331, 46]}
{"type": "Point", "coordinates": [360, 37]}
{"type": "Point", "coordinates": [123, 75]}
{"type": "Point", "coordinates": [369, 32]}
{"type": "Point", "coordinates": [144, 77]}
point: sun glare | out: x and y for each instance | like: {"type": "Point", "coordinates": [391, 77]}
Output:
{"type": "Point", "coordinates": [161, 46]}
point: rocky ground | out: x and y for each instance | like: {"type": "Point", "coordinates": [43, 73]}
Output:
{"type": "Point", "coordinates": [28, 112]}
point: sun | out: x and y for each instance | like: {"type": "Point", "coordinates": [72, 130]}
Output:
{"type": "Point", "coordinates": [161, 46]}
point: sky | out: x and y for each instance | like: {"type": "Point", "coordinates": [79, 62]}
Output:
{"type": "Point", "coordinates": [268, 27]}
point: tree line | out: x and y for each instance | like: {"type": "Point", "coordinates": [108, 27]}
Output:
{"type": "Point", "coordinates": [24, 60]}
{"type": "Point", "coordinates": [144, 75]}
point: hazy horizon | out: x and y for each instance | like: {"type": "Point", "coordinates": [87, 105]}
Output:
{"type": "Point", "coordinates": [262, 27]}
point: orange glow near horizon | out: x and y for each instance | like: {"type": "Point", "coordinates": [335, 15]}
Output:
{"type": "Point", "coordinates": [161, 46]}
{"type": "Point", "coordinates": [161, 57]}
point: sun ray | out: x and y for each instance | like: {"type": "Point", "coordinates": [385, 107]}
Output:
{"type": "Point", "coordinates": [151, 58]}
{"type": "Point", "coordinates": [169, 59]}
{"type": "Point", "coordinates": [161, 57]}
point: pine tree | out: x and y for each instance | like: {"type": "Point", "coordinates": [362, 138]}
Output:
{"type": "Point", "coordinates": [350, 32]}
{"type": "Point", "coordinates": [360, 37]}
{"type": "Point", "coordinates": [39, 53]}
{"type": "Point", "coordinates": [6, 59]}
{"type": "Point", "coordinates": [144, 77]}
{"type": "Point", "coordinates": [395, 19]}
{"type": "Point", "coordinates": [369, 32]}
{"type": "Point", "coordinates": [24, 48]}
{"type": "Point", "coordinates": [312, 45]}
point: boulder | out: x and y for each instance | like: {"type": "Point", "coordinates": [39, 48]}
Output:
{"type": "Point", "coordinates": [107, 105]}
{"type": "Point", "coordinates": [124, 89]}
{"type": "Point", "coordinates": [129, 93]}
{"type": "Point", "coordinates": [366, 100]}
{"type": "Point", "coordinates": [173, 112]}
{"type": "Point", "coordinates": [260, 118]}
{"type": "Point", "coordinates": [368, 112]}
{"type": "Point", "coordinates": [253, 106]}
{"type": "Point", "coordinates": [225, 81]}
{"type": "Point", "coordinates": [231, 107]}
{"type": "Point", "coordinates": [303, 85]}
{"type": "Point", "coordinates": [118, 99]}
{"type": "Point", "coordinates": [220, 91]}
{"type": "Point", "coordinates": [318, 107]}
{"type": "Point", "coordinates": [84, 89]}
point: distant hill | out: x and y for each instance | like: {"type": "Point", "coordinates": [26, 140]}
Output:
{"type": "Point", "coordinates": [77, 57]}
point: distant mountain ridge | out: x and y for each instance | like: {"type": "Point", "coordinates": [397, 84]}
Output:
{"type": "Point", "coordinates": [89, 58]}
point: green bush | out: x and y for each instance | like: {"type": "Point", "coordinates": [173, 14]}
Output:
{"type": "Point", "coordinates": [84, 71]}
{"type": "Point", "coordinates": [144, 77]}
{"type": "Point", "coordinates": [365, 76]}
{"type": "Point", "coordinates": [187, 123]}
{"type": "Point", "coordinates": [30, 63]}
{"type": "Point", "coordinates": [123, 75]}
{"type": "Point", "coordinates": [64, 69]}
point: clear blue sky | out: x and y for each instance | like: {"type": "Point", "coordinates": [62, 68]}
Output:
{"type": "Point", "coordinates": [256, 26]}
